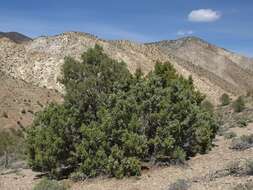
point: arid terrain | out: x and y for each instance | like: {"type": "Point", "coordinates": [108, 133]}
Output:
{"type": "Point", "coordinates": [203, 172]}
{"type": "Point", "coordinates": [29, 73]}
{"type": "Point", "coordinates": [19, 101]}
{"type": "Point", "coordinates": [214, 70]}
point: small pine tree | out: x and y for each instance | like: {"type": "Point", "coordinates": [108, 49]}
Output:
{"type": "Point", "coordinates": [225, 100]}
{"type": "Point", "coordinates": [239, 104]}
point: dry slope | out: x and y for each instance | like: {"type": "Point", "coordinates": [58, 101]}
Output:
{"type": "Point", "coordinates": [15, 36]}
{"type": "Point", "coordinates": [232, 72]}
{"type": "Point", "coordinates": [19, 101]}
{"type": "Point", "coordinates": [214, 70]}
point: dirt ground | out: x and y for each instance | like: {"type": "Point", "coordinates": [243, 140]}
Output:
{"type": "Point", "coordinates": [19, 101]}
{"type": "Point", "coordinates": [199, 171]}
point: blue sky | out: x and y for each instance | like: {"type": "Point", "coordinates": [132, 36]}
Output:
{"type": "Point", "coordinates": [226, 23]}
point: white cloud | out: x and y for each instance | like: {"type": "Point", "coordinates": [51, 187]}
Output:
{"type": "Point", "coordinates": [204, 15]}
{"type": "Point", "coordinates": [185, 32]}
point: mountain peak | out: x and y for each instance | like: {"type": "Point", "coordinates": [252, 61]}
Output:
{"type": "Point", "coordinates": [191, 38]}
{"type": "Point", "coordinates": [179, 41]}
{"type": "Point", "coordinates": [15, 36]}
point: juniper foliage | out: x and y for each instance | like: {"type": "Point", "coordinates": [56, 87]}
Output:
{"type": "Point", "coordinates": [111, 120]}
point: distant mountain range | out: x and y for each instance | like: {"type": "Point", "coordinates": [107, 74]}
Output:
{"type": "Point", "coordinates": [214, 70]}
{"type": "Point", "coordinates": [15, 37]}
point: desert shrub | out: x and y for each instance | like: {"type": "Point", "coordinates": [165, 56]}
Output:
{"type": "Point", "coordinates": [239, 104]}
{"type": "Point", "coordinates": [11, 142]}
{"type": "Point", "coordinates": [249, 167]}
{"type": "Point", "coordinates": [234, 168]}
{"type": "Point", "coordinates": [229, 135]}
{"type": "Point", "coordinates": [245, 186]}
{"type": "Point", "coordinates": [224, 99]}
{"type": "Point", "coordinates": [239, 168]}
{"type": "Point", "coordinates": [111, 120]}
{"type": "Point", "coordinates": [180, 184]}
{"type": "Point", "coordinates": [243, 122]}
{"type": "Point", "coordinates": [179, 156]}
{"type": "Point", "coordinates": [46, 184]}
{"type": "Point", "coordinates": [78, 176]}
{"type": "Point", "coordinates": [51, 144]}
{"type": "Point", "coordinates": [242, 143]}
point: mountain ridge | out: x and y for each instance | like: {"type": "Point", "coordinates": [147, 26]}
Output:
{"type": "Point", "coordinates": [214, 70]}
{"type": "Point", "coordinates": [15, 36]}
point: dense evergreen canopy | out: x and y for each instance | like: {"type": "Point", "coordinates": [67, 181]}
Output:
{"type": "Point", "coordinates": [112, 121]}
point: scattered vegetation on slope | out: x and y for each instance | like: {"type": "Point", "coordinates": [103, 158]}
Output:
{"type": "Point", "coordinates": [224, 99]}
{"type": "Point", "coordinates": [239, 104]}
{"type": "Point", "coordinates": [229, 118]}
{"type": "Point", "coordinates": [245, 186]}
{"type": "Point", "coordinates": [111, 121]}
{"type": "Point", "coordinates": [11, 147]}
{"type": "Point", "coordinates": [242, 143]}
{"type": "Point", "coordinates": [240, 168]}
{"type": "Point", "coordinates": [46, 184]}
{"type": "Point", "coordinates": [180, 184]}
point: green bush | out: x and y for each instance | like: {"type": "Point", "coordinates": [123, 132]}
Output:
{"type": "Point", "coordinates": [239, 104]}
{"type": "Point", "coordinates": [46, 184]}
{"type": "Point", "coordinates": [224, 99]}
{"type": "Point", "coordinates": [10, 146]}
{"type": "Point", "coordinates": [249, 167]}
{"type": "Point", "coordinates": [111, 120]}
{"type": "Point", "coordinates": [50, 145]}
{"type": "Point", "coordinates": [242, 143]}
{"type": "Point", "coordinates": [77, 176]}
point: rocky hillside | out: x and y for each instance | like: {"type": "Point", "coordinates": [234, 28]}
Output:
{"type": "Point", "coordinates": [15, 36]}
{"type": "Point", "coordinates": [19, 101]}
{"type": "Point", "coordinates": [213, 69]}
{"type": "Point", "coordinates": [229, 70]}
